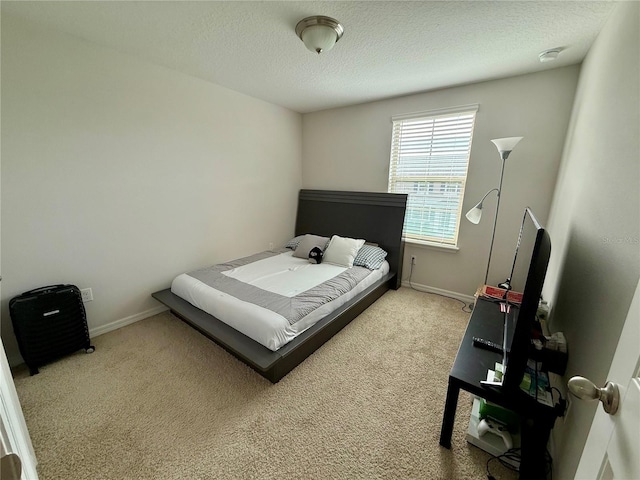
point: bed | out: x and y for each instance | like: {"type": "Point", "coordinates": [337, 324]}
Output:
{"type": "Point", "coordinates": [376, 217]}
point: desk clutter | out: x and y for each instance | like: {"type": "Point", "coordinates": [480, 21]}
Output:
{"type": "Point", "coordinates": [536, 384]}
{"type": "Point", "coordinates": [553, 351]}
{"type": "Point", "coordinates": [494, 429]}
{"type": "Point", "coordinates": [489, 292]}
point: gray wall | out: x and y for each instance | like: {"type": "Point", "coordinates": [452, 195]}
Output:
{"type": "Point", "coordinates": [595, 218]}
{"type": "Point", "coordinates": [119, 174]}
{"type": "Point", "coordinates": [348, 149]}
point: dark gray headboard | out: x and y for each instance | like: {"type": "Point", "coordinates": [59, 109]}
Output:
{"type": "Point", "coordinates": [376, 217]}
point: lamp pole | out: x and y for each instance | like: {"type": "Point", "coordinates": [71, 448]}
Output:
{"type": "Point", "coordinates": [504, 146]}
{"type": "Point", "coordinates": [504, 156]}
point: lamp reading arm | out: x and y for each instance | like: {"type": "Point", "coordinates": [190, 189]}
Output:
{"type": "Point", "coordinates": [475, 213]}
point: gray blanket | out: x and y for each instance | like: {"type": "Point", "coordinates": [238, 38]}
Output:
{"type": "Point", "coordinates": [291, 308]}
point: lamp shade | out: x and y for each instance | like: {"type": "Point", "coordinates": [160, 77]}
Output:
{"type": "Point", "coordinates": [506, 144]}
{"type": "Point", "coordinates": [475, 214]}
{"type": "Point", "coordinates": [319, 33]}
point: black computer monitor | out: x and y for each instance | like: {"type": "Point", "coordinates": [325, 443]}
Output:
{"type": "Point", "coordinates": [528, 271]}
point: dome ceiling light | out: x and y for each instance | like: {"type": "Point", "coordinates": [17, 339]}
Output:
{"type": "Point", "coordinates": [319, 33]}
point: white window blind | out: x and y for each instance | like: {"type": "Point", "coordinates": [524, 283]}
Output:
{"type": "Point", "coordinates": [429, 160]}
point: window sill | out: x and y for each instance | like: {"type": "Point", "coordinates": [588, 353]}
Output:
{"type": "Point", "coordinates": [434, 246]}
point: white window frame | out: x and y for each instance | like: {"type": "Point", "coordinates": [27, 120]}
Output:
{"type": "Point", "coordinates": [418, 140]}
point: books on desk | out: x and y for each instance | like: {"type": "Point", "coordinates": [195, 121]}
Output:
{"type": "Point", "coordinates": [496, 293]}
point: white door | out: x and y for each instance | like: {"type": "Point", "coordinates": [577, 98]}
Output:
{"type": "Point", "coordinates": [612, 450]}
{"type": "Point", "coordinates": [14, 435]}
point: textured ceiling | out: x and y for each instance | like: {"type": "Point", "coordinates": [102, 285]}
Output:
{"type": "Point", "coordinates": [388, 48]}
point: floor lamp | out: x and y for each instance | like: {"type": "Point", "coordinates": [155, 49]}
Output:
{"type": "Point", "coordinates": [505, 147]}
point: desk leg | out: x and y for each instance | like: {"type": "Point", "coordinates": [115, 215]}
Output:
{"type": "Point", "coordinates": [534, 437]}
{"type": "Point", "coordinates": [449, 414]}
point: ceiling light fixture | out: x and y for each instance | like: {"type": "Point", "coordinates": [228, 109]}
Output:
{"type": "Point", "coordinates": [549, 55]}
{"type": "Point", "coordinates": [319, 33]}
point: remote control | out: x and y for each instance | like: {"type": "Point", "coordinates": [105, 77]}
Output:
{"type": "Point", "coordinates": [487, 344]}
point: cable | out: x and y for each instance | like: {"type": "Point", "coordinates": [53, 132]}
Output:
{"type": "Point", "coordinates": [464, 304]}
{"type": "Point", "coordinates": [561, 405]}
{"type": "Point", "coordinates": [512, 454]}
{"type": "Point", "coordinates": [559, 392]}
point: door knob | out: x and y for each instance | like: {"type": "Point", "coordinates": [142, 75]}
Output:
{"type": "Point", "coordinates": [585, 389]}
{"type": "Point", "coordinates": [10, 467]}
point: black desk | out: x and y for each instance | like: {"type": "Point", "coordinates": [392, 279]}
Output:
{"type": "Point", "coordinates": [470, 367]}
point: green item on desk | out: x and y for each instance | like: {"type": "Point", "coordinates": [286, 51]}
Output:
{"type": "Point", "coordinates": [499, 414]}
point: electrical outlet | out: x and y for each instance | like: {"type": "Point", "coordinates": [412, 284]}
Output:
{"type": "Point", "coordinates": [414, 260]}
{"type": "Point", "coordinates": [87, 294]}
{"type": "Point", "coordinates": [270, 245]}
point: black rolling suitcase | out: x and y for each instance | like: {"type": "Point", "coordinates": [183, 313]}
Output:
{"type": "Point", "coordinates": [49, 322]}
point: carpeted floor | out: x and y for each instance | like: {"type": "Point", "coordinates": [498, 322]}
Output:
{"type": "Point", "coordinates": [157, 400]}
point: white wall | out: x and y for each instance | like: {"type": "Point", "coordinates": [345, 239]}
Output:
{"type": "Point", "coordinates": [348, 149]}
{"type": "Point", "coordinates": [595, 219]}
{"type": "Point", "coordinates": [118, 174]}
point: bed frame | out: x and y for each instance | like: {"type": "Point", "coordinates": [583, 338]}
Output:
{"type": "Point", "coordinates": [376, 217]}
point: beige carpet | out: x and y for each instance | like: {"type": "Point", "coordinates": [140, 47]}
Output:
{"type": "Point", "coordinates": [157, 400]}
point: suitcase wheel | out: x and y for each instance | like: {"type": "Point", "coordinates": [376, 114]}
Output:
{"type": "Point", "coordinates": [91, 349]}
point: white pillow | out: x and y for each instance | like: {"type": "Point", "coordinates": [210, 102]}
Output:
{"type": "Point", "coordinates": [342, 251]}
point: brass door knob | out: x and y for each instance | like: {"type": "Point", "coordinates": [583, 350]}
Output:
{"type": "Point", "coordinates": [585, 389]}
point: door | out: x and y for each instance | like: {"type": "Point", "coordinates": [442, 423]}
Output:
{"type": "Point", "coordinates": [14, 435]}
{"type": "Point", "coordinates": [611, 450]}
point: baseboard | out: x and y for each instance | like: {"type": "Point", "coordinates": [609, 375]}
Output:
{"type": "Point", "coordinates": [439, 291]}
{"type": "Point", "coordinates": [123, 322]}
{"type": "Point", "coordinates": [16, 358]}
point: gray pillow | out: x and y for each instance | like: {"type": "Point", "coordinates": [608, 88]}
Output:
{"type": "Point", "coordinates": [294, 242]}
{"type": "Point", "coordinates": [308, 243]}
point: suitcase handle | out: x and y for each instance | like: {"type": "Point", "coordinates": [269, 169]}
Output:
{"type": "Point", "coordinates": [42, 289]}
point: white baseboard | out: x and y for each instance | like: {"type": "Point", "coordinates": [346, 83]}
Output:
{"type": "Point", "coordinates": [439, 291]}
{"type": "Point", "coordinates": [123, 322]}
{"type": "Point", "coordinates": [16, 359]}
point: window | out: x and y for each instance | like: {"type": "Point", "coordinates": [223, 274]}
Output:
{"type": "Point", "coordinates": [429, 160]}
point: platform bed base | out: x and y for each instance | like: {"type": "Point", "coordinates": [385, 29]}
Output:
{"type": "Point", "coordinates": [274, 365]}
{"type": "Point", "coordinates": [376, 217]}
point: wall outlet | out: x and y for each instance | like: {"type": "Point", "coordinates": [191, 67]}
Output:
{"type": "Point", "coordinates": [270, 245]}
{"type": "Point", "coordinates": [414, 260]}
{"type": "Point", "coordinates": [87, 294]}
